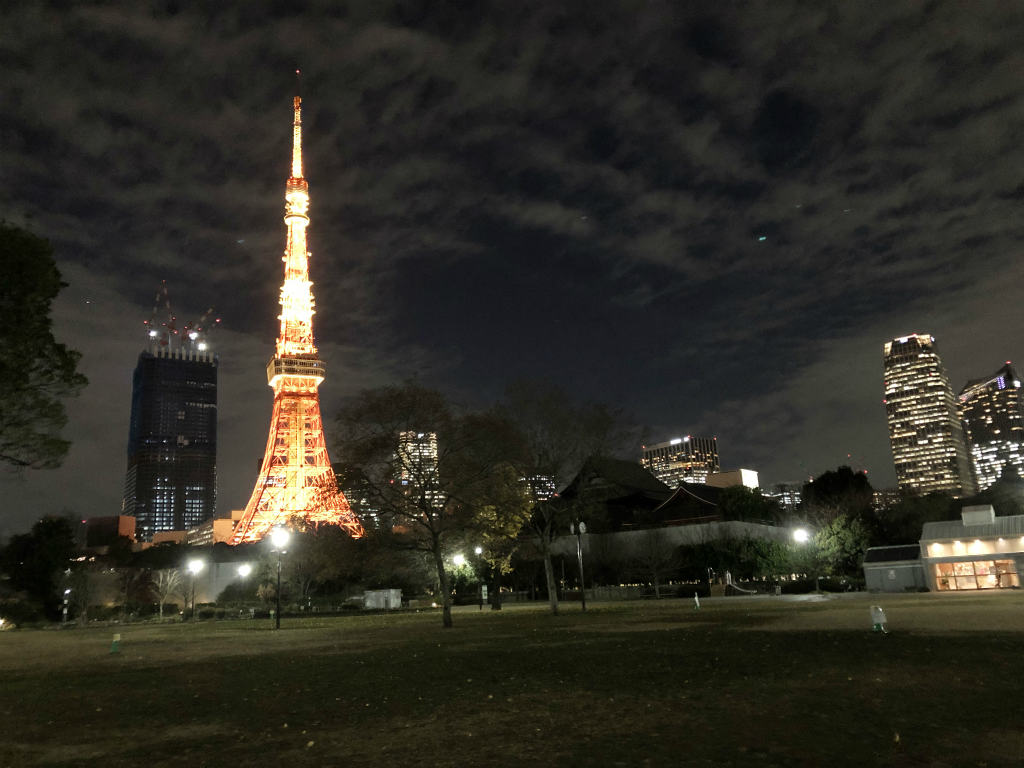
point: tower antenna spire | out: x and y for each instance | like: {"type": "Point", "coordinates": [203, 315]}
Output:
{"type": "Point", "coordinates": [297, 128]}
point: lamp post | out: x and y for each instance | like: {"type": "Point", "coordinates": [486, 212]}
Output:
{"type": "Point", "coordinates": [64, 617]}
{"type": "Point", "coordinates": [802, 536]}
{"type": "Point", "coordinates": [579, 529]}
{"type": "Point", "coordinates": [194, 567]}
{"type": "Point", "coordinates": [482, 587]}
{"type": "Point", "coordinates": [279, 538]}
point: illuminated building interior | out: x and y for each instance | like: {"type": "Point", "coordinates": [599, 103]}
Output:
{"type": "Point", "coordinates": [296, 479]}
{"type": "Point", "coordinates": [682, 460]}
{"type": "Point", "coordinates": [991, 409]}
{"type": "Point", "coordinates": [980, 552]}
{"type": "Point", "coordinates": [927, 438]}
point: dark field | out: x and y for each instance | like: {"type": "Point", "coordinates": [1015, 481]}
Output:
{"type": "Point", "coordinates": [740, 682]}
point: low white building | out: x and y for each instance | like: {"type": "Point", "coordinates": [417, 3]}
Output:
{"type": "Point", "coordinates": [979, 551]}
{"type": "Point", "coordinates": [731, 477]}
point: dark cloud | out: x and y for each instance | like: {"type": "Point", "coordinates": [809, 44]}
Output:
{"type": "Point", "coordinates": [711, 216]}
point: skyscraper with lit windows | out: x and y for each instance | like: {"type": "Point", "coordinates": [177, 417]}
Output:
{"type": "Point", "coordinates": [171, 480]}
{"type": "Point", "coordinates": [925, 431]}
{"type": "Point", "coordinates": [682, 459]}
{"type": "Point", "coordinates": [993, 422]}
{"type": "Point", "coordinates": [416, 465]}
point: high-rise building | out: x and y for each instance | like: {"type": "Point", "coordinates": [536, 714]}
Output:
{"type": "Point", "coordinates": [539, 487]}
{"type": "Point", "coordinates": [682, 460]}
{"type": "Point", "coordinates": [296, 479]}
{"type": "Point", "coordinates": [171, 482]}
{"type": "Point", "coordinates": [416, 465]}
{"type": "Point", "coordinates": [991, 409]}
{"type": "Point", "coordinates": [362, 496]}
{"type": "Point", "coordinates": [925, 431]}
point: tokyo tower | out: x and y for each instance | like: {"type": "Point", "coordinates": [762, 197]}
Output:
{"type": "Point", "coordinates": [296, 479]}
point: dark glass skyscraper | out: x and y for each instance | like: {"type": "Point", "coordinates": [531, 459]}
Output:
{"type": "Point", "coordinates": [171, 482]}
{"type": "Point", "coordinates": [993, 421]}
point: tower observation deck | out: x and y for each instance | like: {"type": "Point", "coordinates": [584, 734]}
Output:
{"type": "Point", "coordinates": [296, 480]}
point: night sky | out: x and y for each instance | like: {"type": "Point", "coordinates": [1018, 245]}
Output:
{"type": "Point", "coordinates": [709, 214]}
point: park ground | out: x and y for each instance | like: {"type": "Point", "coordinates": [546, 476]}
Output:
{"type": "Point", "coordinates": [759, 681]}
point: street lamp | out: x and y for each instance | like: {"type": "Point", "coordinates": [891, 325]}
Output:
{"type": "Point", "coordinates": [802, 536]}
{"type": "Point", "coordinates": [579, 529]}
{"type": "Point", "coordinates": [244, 570]}
{"type": "Point", "coordinates": [459, 560]}
{"type": "Point", "coordinates": [279, 538]}
{"type": "Point", "coordinates": [482, 588]}
{"type": "Point", "coordinates": [194, 567]}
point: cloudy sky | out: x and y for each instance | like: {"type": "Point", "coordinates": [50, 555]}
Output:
{"type": "Point", "coordinates": [711, 215]}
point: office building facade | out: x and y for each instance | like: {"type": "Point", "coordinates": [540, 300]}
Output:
{"type": "Point", "coordinates": [927, 437]}
{"type": "Point", "coordinates": [993, 423]}
{"type": "Point", "coordinates": [416, 466]}
{"type": "Point", "coordinates": [171, 479]}
{"type": "Point", "coordinates": [682, 460]}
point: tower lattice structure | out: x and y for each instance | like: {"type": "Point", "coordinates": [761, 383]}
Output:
{"type": "Point", "coordinates": [296, 479]}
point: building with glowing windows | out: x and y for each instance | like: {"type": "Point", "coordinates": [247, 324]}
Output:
{"type": "Point", "coordinates": [416, 465]}
{"type": "Point", "coordinates": [979, 551]}
{"type": "Point", "coordinates": [682, 460]}
{"type": "Point", "coordinates": [540, 487]}
{"type": "Point", "coordinates": [171, 481]}
{"type": "Point", "coordinates": [925, 431]}
{"type": "Point", "coordinates": [991, 409]}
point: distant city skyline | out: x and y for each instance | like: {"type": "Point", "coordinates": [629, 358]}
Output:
{"type": "Point", "coordinates": [707, 215]}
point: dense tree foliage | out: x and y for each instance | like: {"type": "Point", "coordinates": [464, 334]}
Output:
{"type": "Point", "coordinates": [748, 505]}
{"type": "Point", "coordinates": [36, 372]}
{"type": "Point", "coordinates": [36, 561]}
{"type": "Point", "coordinates": [838, 492]}
{"type": "Point", "coordinates": [902, 522]}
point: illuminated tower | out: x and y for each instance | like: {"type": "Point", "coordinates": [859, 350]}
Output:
{"type": "Point", "coordinates": [296, 479]}
{"type": "Point", "coordinates": [925, 431]}
{"type": "Point", "coordinates": [994, 423]}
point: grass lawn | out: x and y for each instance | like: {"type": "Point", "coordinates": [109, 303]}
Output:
{"type": "Point", "coordinates": [740, 682]}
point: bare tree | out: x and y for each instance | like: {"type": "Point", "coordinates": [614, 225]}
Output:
{"type": "Point", "coordinates": [166, 582]}
{"type": "Point", "coordinates": [556, 436]}
{"type": "Point", "coordinates": [654, 557]}
{"type": "Point", "coordinates": [429, 470]}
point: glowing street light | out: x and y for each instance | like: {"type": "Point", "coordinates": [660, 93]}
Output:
{"type": "Point", "coordinates": [478, 551]}
{"type": "Point", "coordinates": [459, 560]}
{"type": "Point", "coordinates": [194, 567]}
{"type": "Point", "coordinates": [279, 539]}
{"type": "Point", "coordinates": [802, 536]}
{"type": "Point", "coordinates": [244, 570]}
